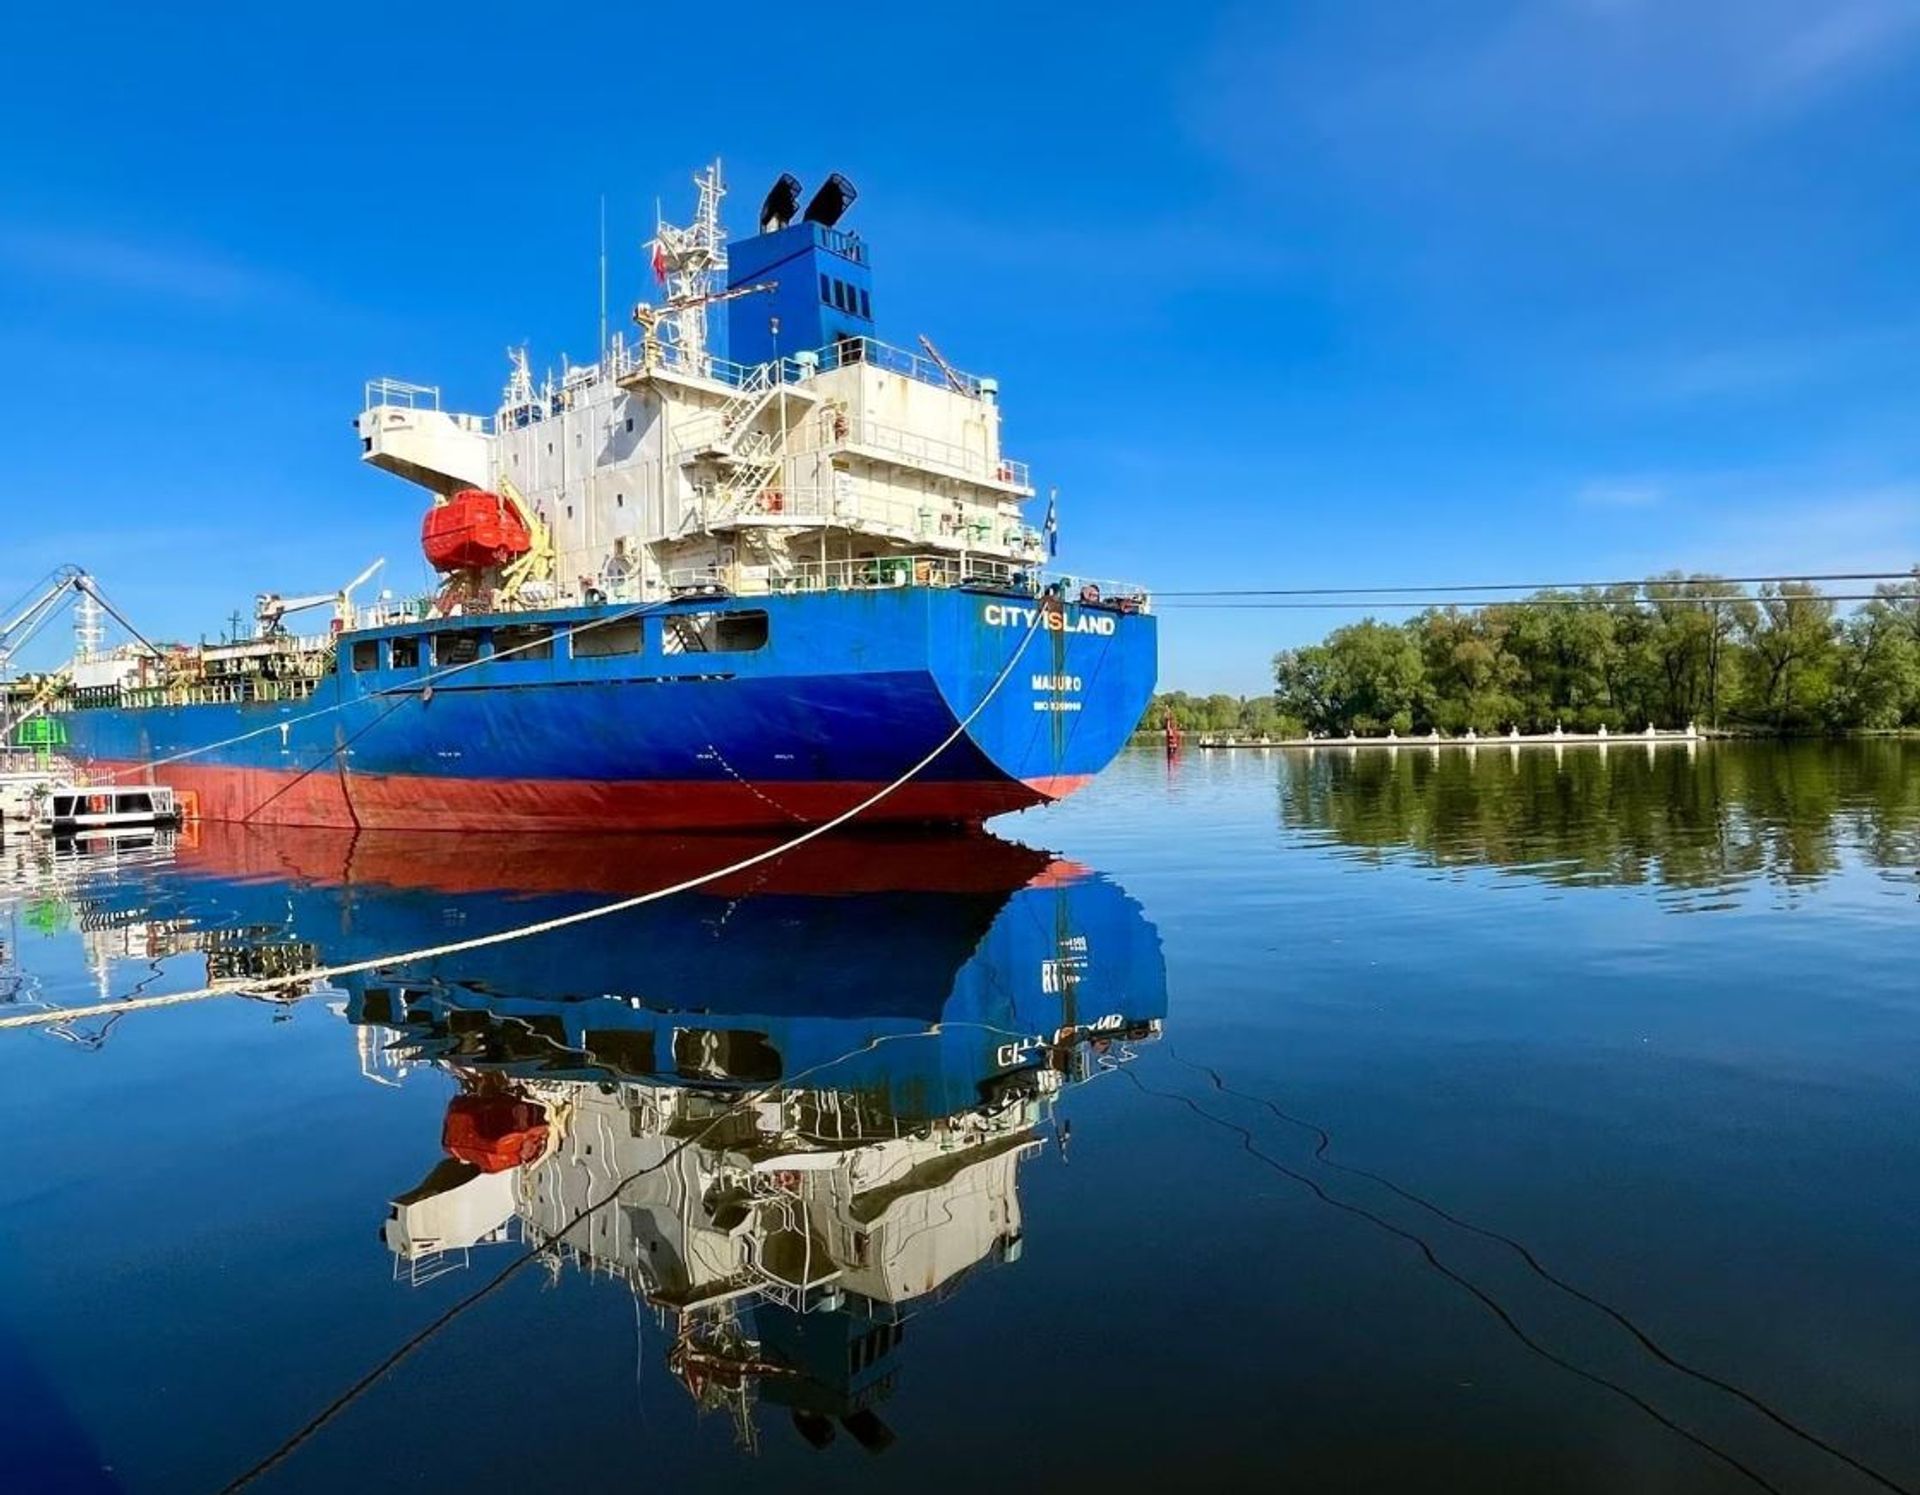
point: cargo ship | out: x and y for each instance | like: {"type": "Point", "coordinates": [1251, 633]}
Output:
{"type": "Point", "coordinates": [749, 567]}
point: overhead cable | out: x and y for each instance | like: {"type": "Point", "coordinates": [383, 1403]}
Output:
{"type": "Point", "coordinates": [1694, 579]}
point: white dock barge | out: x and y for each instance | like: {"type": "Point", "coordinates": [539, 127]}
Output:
{"type": "Point", "coordinates": [108, 807]}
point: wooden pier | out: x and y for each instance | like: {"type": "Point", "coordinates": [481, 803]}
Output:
{"type": "Point", "coordinates": [1555, 738]}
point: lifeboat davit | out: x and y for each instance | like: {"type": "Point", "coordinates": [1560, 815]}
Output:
{"type": "Point", "coordinates": [472, 531]}
{"type": "Point", "coordinates": [494, 1132]}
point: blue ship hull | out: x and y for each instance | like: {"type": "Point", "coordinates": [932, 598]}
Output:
{"type": "Point", "coordinates": [838, 695]}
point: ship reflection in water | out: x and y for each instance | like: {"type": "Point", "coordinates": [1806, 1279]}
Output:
{"type": "Point", "coordinates": [788, 1110]}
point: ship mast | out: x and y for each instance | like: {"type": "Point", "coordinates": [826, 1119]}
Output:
{"type": "Point", "coordinates": [692, 261]}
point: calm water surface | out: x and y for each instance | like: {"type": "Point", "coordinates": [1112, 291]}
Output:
{"type": "Point", "coordinates": [1514, 1120]}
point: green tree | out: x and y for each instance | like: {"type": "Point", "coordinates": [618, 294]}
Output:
{"type": "Point", "coordinates": [1471, 677]}
{"type": "Point", "coordinates": [1791, 653]}
{"type": "Point", "coordinates": [1367, 677]}
{"type": "Point", "coordinates": [1876, 671]}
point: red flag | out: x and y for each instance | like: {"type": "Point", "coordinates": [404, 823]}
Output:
{"type": "Point", "coordinates": [659, 262]}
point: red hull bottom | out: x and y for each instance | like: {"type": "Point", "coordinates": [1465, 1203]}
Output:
{"type": "Point", "coordinates": [414, 802]}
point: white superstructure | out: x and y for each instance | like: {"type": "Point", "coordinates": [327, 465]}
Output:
{"type": "Point", "coordinates": [664, 466]}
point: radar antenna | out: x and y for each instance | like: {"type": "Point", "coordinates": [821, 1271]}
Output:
{"type": "Point", "coordinates": [691, 261]}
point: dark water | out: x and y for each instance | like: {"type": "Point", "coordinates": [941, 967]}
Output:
{"type": "Point", "coordinates": [1514, 1121]}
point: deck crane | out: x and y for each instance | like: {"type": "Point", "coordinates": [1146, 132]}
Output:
{"type": "Point", "coordinates": [959, 385]}
{"type": "Point", "coordinates": [270, 608]}
{"type": "Point", "coordinates": [649, 317]}
{"type": "Point", "coordinates": [536, 565]}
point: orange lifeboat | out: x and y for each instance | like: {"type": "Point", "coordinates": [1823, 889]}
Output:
{"type": "Point", "coordinates": [494, 1132]}
{"type": "Point", "coordinates": [472, 531]}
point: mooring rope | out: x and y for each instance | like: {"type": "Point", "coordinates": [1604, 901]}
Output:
{"type": "Point", "coordinates": [235, 985]}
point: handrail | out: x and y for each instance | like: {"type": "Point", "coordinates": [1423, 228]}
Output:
{"type": "Point", "coordinates": [386, 391]}
{"type": "Point", "coordinates": [939, 569]}
{"type": "Point", "coordinates": [796, 368]}
{"type": "Point", "coordinates": [834, 429]}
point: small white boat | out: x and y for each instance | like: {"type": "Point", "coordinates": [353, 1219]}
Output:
{"type": "Point", "coordinates": [107, 807]}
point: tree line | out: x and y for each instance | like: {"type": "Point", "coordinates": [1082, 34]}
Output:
{"type": "Point", "coordinates": [1669, 651]}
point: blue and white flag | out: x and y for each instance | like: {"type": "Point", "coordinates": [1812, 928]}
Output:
{"type": "Point", "coordinates": [1051, 528]}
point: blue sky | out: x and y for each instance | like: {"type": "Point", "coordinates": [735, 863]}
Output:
{"type": "Point", "coordinates": [1285, 294]}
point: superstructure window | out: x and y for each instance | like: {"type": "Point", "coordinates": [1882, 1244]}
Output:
{"type": "Point", "coordinates": [601, 641]}
{"type": "Point", "coordinates": [523, 641]}
{"type": "Point", "coordinates": [866, 305]}
{"type": "Point", "coordinates": [826, 294]}
{"type": "Point", "coordinates": [840, 294]}
{"type": "Point", "coordinates": [714, 633]}
{"type": "Point", "coordinates": [366, 654]}
{"type": "Point", "coordinates": [405, 652]}
{"type": "Point", "coordinates": [455, 648]}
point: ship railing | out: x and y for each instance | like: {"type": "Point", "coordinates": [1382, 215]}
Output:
{"type": "Point", "coordinates": [1127, 596]}
{"type": "Point", "coordinates": [398, 394]}
{"type": "Point", "coordinates": [869, 573]}
{"type": "Point", "coordinates": [902, 519]}
{"type": "Point", "coordinates": [238, 691]}
{"type": "Point", "coordinates": [963, 569]}
{"type": "Point", "coordinates": [794, 368]}
{"type": "Point", "coordinates": [876, 354]}
{"type": "Point", "coordinates": [841, 241]}
{"type": "Point", "coordinates": [834, 429]}
{"type": "Point", "coordinates": [385, 391]}
{"type": "Point", "coordinates": [910, 570]}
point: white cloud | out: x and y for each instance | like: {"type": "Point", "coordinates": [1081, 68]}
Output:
{"type": "Point", "coordinates": [120, 265]}
{"type": "Point", "coordinates": [1621, 493]}
{"type": "Point", "coordinates": [1754, 523]}
{"type": "Point", "coordinates": [1545, 77]}
{"type": "Point", "coordinates": [1762, 368]}
{"type": "Point", "coordinates": [1832, 44]}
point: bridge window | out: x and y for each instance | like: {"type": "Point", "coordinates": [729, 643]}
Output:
{"type": "Point", "coordinates": [866, 306]}
{"type": "Point", "coordinates": [455, 648]}
{"type": "Point", "coordinates": [405, 652]}
{"type": "Point", "coordinates": [523, 641]}
{"type": "Point", "coordinates": [366, 654]}
{"type": "Point", "coordinates": [826, 294]}
{"type": "Point", "coordinates": [603, 640]}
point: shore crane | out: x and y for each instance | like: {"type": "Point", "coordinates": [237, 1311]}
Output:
{"type": "Point", "coordinates": [19, 630]}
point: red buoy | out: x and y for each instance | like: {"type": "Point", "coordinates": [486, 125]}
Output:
{"type": "Point", "coordinates": [472, 531]}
